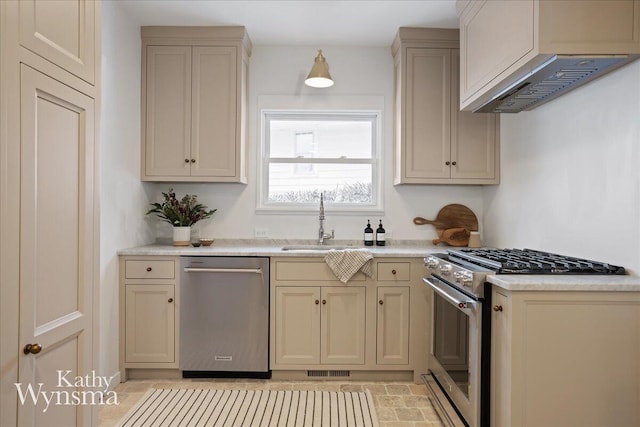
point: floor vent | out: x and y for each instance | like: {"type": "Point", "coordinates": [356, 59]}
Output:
{"type": "Point", "coordinates": [328, 373]}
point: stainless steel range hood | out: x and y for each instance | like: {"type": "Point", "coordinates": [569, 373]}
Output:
{"type": "Point", "coordinates": [556, 76]}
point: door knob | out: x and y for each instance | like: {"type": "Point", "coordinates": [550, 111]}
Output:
{"type": "Point", "coordinates": [186, 160]}
{"type": "Point", "coordinates": [447, 163]}
{"type": "Point", "coordinates": [380, 302]}
{"type": "Point", "coordinates": [193, 160]}
{"type": "Point", "coordinates": [497, 308]}
{"type": "Point", "coordinates": [324, 301]}
{"type": "Point", "coordinates": [317, 302]}
{"type": "Point", "coordinates": [170, 300]}
{"type": "Point", "coordinates": [32, 349]}
{"type": "Point", "coordinates": [453, 163]}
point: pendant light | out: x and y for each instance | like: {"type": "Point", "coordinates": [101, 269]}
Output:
{"type": "Point", "coordinates": [319, 75]}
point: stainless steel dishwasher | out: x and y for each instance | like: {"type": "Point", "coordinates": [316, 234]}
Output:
{"type": "Point", "coordinates": [224, 317]}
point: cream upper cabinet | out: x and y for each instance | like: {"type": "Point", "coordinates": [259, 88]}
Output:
{"type": "Point", "coordinates": [565, 358]}
{"type": "Point", "coordinates": [435, 143]}
{"type": "Point", "coordinates": [500, 40]}
{"type": "Point", "coordinates": [62, 32]}
{"type": "Point", "coordinates": [194, 102]}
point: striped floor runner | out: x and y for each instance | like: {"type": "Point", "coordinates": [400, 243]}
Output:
{"type": "Point", "coordinates": [252, 408]}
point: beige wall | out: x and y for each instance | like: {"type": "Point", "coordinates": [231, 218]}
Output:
{"type": "Point", "coordinates": [571, 175]}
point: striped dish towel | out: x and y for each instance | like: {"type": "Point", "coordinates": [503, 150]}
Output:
{"type": "Point", "coordinates": [347, 262]}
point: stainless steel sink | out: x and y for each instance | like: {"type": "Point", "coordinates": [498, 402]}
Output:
{"type": "Point", "coordinates": [314, 248]}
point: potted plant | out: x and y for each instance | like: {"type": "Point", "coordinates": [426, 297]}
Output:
{"type": "Point", "coordinates": [181, 214]}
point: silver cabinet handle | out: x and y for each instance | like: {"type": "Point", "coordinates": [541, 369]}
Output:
{"type": "Point", "coordinates": [222, 270]}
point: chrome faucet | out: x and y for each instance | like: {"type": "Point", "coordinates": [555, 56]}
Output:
{"type": "Point", "coordinates": [321, 234]}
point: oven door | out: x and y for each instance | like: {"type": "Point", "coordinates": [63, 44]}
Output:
{"type": "Point", "coordinates": [455, 350]}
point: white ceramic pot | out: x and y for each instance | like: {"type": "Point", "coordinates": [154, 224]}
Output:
{"type": "Point", "coordinates": [181, 236]}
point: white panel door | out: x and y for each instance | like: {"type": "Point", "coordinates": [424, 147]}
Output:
{"type": "Point", "coordinates": [343, 325]}
{"type": "Point", "coordinates": [214, 105]}
{"type": "Point", "coordinates": [56, 243]}
{"type": "Point", "coordinates": [62, 31]}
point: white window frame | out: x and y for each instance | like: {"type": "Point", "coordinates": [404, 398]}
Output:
{"type": "Point", "coordinates": [376, 207]}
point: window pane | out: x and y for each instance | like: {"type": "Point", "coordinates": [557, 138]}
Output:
{"type": "Point", "coordinates": [341, 183]}
{"type": "Point", "coordinates": [304, 138]}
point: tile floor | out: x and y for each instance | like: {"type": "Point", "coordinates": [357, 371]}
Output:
{"type": "Point", "coordinates": [398, 404]}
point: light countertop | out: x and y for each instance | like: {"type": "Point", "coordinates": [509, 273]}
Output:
{"type": "Point", "coordinates": [273, 248]}
{"type": "Point", "coordinates": [403, 249]}
{"type": "Point", "coordinates": [574, 282]}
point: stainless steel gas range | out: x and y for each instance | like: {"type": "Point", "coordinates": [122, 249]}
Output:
{"type": "Point", "coordinates": [459, 355]}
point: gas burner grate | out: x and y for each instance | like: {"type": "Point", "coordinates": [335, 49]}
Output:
{"type": "Point", "coordinates": [530, 261]}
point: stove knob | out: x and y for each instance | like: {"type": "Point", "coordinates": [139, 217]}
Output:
{"type": "Point", "coordinates": [458, 275]}
{"type": "Point", "coordinates": [431, 262]}
{"type": "Point", "coordinates": [467, 279]}
{"type": "Point", "coordinates": [445, 269]}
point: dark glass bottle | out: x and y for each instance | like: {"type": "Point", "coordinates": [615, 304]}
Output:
{"type": "Point", "coordinates": [380, 235]}
{"type": "Point", "coordinates": [368, 235]}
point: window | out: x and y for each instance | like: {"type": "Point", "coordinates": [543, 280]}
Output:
{"type": "Point", "coordinates": [309, 153]}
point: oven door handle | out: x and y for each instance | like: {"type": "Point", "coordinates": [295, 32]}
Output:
{"type": "Point", "coordinates": [457, 299]}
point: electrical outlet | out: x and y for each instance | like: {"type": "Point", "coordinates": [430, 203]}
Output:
{"type": "Point", "coordinates": [261, 233]}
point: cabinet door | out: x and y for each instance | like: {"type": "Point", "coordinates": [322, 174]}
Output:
{"type": "Point", "coordinates": [62, 32]}
{"type": "Point", "coordinates": [343, 325]}
{"type": "Point", "coordinates": [214, 105]}
{"type": "Point", "coordinates": [427, 114]}
{"type": "Point", "coordinates": [150, 323]}
{"type": "Point", "coordinates": [57, 222]}
{"type": "Point", "coordinates": [167, 112]}
{"type": "Point", "coordinates": [473, 136]}
{"type": "Point", "coordinates": [297, 326]}
{"type": "Point", "coordinates": [392, 345]}
{"type": "Point", "coordinates": [500, 361]}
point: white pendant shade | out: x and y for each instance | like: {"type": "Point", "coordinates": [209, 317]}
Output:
{"type": "Point", "coordinates": [319, 75]}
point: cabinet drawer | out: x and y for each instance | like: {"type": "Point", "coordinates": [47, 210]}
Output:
{"type": "Point", "coordinates": [308, 271]}
{"type": "Point", "coordinates": [394, 271]}
{"type": "Point", "coordinates": [149, 269]}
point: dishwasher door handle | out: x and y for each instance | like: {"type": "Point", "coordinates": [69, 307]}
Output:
{"type": "Point", "coordinates": [222, 270]}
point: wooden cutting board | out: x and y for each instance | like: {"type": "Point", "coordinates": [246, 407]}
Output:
{"type": "Point", "coordinates": [451, 216]}
{"type": "Point", "coordinates": [454, 237]}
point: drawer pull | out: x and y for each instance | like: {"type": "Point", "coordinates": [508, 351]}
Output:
{"type": "Point", "coordinates": [393, 272]}
{"type": "Point", "coordinates": [170, 300]}
{"type": "Point", "coordinates": [149, 269]}
{"type": "Point", "coordinates": [497, 308]}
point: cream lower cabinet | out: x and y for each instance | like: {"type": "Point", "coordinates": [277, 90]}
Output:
{"type": "Point", "coordinates": [436, 143]}
{"type": "Point", "coordinates": [565, 359]}
{"type": "Point", "coordinates": [320, 325]}
{"type": "Point", "coordinates": [149, 313]}
{"type": "Point", "coordinates": [372, 327]}
{"type": "Point", "coordinates": [150, 319]}
{"type": "Point", "coordinates": [392, 327]}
